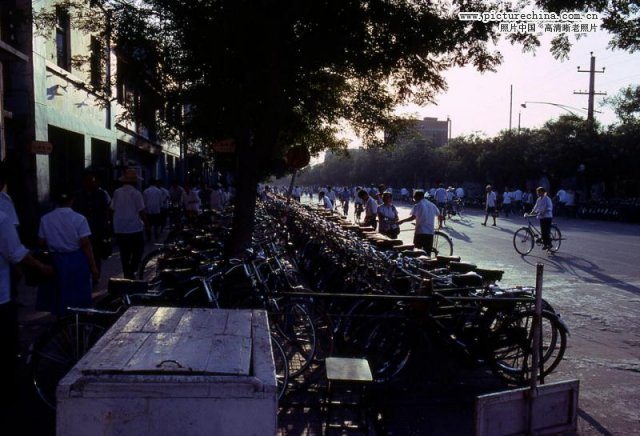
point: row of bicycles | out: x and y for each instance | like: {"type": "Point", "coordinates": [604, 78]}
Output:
{"type": "Point", "coordinates": [328, 291]}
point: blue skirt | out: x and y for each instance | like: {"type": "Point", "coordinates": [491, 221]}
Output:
{"type": "Point", "coordinates": [70, 287]}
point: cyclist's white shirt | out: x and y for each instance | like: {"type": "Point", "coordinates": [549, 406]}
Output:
{"type": "Point", "coordinates": [543, 207]}
{"type": "Point", "coordinates": [425, 213]}
{"type": "Point", "coordinates": [491, 199]}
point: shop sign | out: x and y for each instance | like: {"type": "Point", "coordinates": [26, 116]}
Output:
{"type": "Point", "coordinates": [224, 146]}
{"type": "Point", "coordinates": [41, 147]}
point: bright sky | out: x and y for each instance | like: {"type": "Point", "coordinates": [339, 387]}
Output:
{"type": "Point", "coordinates": [480, 102]}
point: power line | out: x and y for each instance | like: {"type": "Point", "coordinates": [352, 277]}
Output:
{"type": "Point", "coordinates": [591, 93]}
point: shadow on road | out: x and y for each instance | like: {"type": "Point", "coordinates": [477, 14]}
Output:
{"type": "Point", "coordinates": [583, 269]}
{"type": "Point", "coordinates": [456, 234]}
{"type": "Point", "coordinates": [594, 423]}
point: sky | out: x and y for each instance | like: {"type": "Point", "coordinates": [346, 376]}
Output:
{"type": "Point", "coordinates": [478, 102]}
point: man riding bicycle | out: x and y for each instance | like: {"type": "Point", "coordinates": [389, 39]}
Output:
{"type": "Point", "coordinates": [543, 209]}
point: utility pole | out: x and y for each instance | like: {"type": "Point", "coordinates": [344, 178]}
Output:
{"type": "Point", "coordinates": [592, 93]}
{"type": "Point", "coordinates": [510, 107]}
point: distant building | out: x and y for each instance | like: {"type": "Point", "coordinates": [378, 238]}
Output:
{"type": "Point", "coordinates": [428, 129]}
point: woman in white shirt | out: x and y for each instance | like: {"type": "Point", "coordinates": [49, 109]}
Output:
{"type": "Point", "coordinates": [66, 235]}
{"type": "Point", "coordinates": [388, 217]}
{"type": "Point", "coordinates": [490, 205]}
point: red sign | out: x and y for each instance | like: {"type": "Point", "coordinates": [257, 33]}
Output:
{"type": "Point", "coordinates": [41, 147]}
{"type": "Point", "coordinates": [224, 146]}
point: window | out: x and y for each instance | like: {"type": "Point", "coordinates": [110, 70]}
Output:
{"type": "Point", "coordinates": [97, 67]}
{"type": "Point", "coordinates": [63, 44]}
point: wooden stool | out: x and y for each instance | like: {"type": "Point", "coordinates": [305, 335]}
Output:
{"type": "Point", "coordinates": [350, 376]}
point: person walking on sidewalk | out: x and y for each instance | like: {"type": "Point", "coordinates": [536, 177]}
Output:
{"type": "Point", "coordinates": [543, 209]}
{"type": "Point", "coordinates": [66, 234]}
{"type": "Point", "coordinates": [93, 203]}
{"type": "Point", "coordinates": [129, 222]}
{"type": "Point", "coordinates": [490, 205]}
{"type": "Point", "coordinates": [424, 213]}
{"type": "Point", "coordinates": [153, 199]}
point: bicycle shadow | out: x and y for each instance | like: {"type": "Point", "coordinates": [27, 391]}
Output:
{"type": "Point", "coordinates": [582, 269]}
{"type": "Point", "coordinates": [456, 234]}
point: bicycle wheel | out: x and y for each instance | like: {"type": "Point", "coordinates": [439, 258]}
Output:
{"type": "Point", "coordinates": [281, 366]}
{"type": "Point", "coordinates": [511, 353]}
{"type": "Point", "coordinates": [388, 348]}
{"type": "Point", "coordinates": [57, 351]}
{"type": "Point", "coordinates": [442, 245]}
{"type": "Point", "coordinates": [556, 238]}
{"type": "Point", "coordinates": [294, 327]}
{"type": "Point", "coordinates": [523, 241]}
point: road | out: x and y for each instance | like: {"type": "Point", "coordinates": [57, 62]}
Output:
{"type": "Point", "coordinates": [594, 283]}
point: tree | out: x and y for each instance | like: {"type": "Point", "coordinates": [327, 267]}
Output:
{"type": "Point", "coordinates": [272, 74]}
{"type": "Point", "coordinates": [626, 104]}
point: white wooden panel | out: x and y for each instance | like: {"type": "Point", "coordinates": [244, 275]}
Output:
{"type": "Point", "coordinates": [230, 355]}
{"type": "Point", "coordinates": [203, 322]}
{"type": "Point", "coordinates": [164, 320]}
{"type": "Point", "coordinates": [117, 352]}
{"type": "Point", "coordinates": [238, 323]}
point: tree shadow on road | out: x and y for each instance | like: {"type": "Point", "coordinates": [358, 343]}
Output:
{"type": "Point", "coordinates": [583, 269]}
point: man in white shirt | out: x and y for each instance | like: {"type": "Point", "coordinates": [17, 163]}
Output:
{"type": "Point", "coordinates": [325, 201]}
{"type": "Point", "coordinates": [424, 213]}
{"type": "Point", "coordinates": [490, 205]}
{"type": "Point", "coordinates": [544, 211]}
{"type": "Point", "coordinates": [516, 196]}
{"type": "Point", "coordinates": [506, 202]}
{"type": "Point", "coordinates": [153, 199]}
{"type": "Point", "coordinates": [370, 209]}
{"type": "Point", "coordinates": [460, 192]}
{"type": "Point", "coordinates": [129, 221]}
{"type": "Point", "coordinates": [561, 201]}
{"type": "Point", "coordinates": [440, 196]}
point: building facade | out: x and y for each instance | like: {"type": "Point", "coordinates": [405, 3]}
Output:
{"type": "Point", "coordinates": [63, 110]}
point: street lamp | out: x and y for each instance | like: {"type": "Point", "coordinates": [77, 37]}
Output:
{"type": "Point", "coordinates": [561, 106]}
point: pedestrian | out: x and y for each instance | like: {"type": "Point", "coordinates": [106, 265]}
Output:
{"type": "Point", "coordinates": [325, 201]}
{"type": "Point", "coordinates": [92, 202]}
{"type": "Point", "coordinates": [217, 198]}
{"type": "Point", "coordinates": [516, 197]}
{"type": "Point", "coordinates": [192, 203]}
{"type": "Point", "coordinates": [560, 201]}
{"type": "Point", "coordinates": [370, 208]}
{"type": "Point", "coordinates": [388, 217]}
{"type": "Point", "coordinates": [424, 213]}
{"type": "Point", "coordinates": [543, 210]}
{"type": "Point", "coordinates": [12, 253]}
{"type": "Point", "coordinates": [129, 222]}
{"type": "Point", "coordinates": [358, 205]}
{"type": "Point", "coordinates": [345, 197]}
{"type": "Point", "coordinates": [506, 202]}
{"type": "Point", "coordinates": [490, 205]}
{"type": "Point", "coordinates": [153, 198]}
{"type": "Point", "coordinates": [66, 233]}
{"type": "Point", "coordinates": [440, 197]}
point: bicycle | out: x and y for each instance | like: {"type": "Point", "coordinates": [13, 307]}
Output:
{"type": "Point", "coordinates": [525, 238]}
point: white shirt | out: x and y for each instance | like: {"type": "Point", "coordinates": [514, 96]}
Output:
{"type": "Point", "coordinates": [191, 201]}
{"type": "Point", "coordinates": [127, 203]}
{"type": "Point", "coordinates": [491, 199]}
{"type": "Point", "coordinates": [371, 207]}
{"type": "Point", "coordinates": [459, 192]}
{"type": "Point", "coordinates": [570, 199]}
{"type": "Point", "coordinates": [326, 203]}
{"type": "Point", "coordinates": [440, 195]}
{"type": "Point", "coordinates": [216, 199]}
{"type": "Point", "coordinates": [517, 195]}
{"type": "Point", "coordinates": [562, 196]}
{"type": "Point", "coordinates": [153, 199]}
{"type": "Point", "coordinates": [167, 197]}
{"type": "Point", "coordinates": [6, 206]}
{"type": "Point", "coordinates": [543, 207]}
{"type": "Point", "coordinates": [506, 197]}
{"type": "Point", "coordinates": [425, 213]}
{"type": "Point", "coordinates": [11, 251]}
{"type": "Point", "coordinates": [62, 228]}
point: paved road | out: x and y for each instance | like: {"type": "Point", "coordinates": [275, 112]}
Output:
{"type": "Point", "coordinates": [594, 282]}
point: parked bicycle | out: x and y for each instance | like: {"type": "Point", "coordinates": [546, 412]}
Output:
{"type": "Point", "coordinates": [525, 238]}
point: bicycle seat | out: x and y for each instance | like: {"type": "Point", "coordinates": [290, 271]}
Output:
{"type": "Point", "coordinates": [178, 275]}
{"type": "Point", "coordinates": [461, 267]}
{"type": "Point", "coordinates": [118, 287]}
{"type": "Point", "coordinates": [447, 259]}
{"type": "Point", "coordinates": [413, 253]}
{"type": "Point", "coordinates": [470, 279]}
{"type": "Point", "coordinates": [490, 275]}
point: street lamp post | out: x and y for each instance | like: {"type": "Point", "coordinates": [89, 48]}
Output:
{"type": "Point", "coordinates": [561, 106]}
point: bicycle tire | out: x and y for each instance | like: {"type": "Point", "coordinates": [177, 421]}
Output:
{"type": "Point", "coordinates": [57, 351]}
{"type": "Point", "coordinates": [556, 238]}
{"type": "Point", "coordinates": [388, 349]}
{"type": "Point", "coordinates": [523, 240]}
{"type": "Point", "coordinates": [293, 325]}
{"type": "Point", "coordinates": [512, 345]}
{"type": "Point", "coordinates": [442, 244]}
{"type": "Point", "coordinates": [281, 364]}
